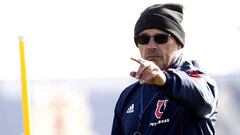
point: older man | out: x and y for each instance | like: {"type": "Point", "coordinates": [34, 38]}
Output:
{"type": "Point", "coordinates": [172, 96]}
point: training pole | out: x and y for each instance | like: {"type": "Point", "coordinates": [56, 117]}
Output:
{"type": "Point", "coordinates": [25, 94]}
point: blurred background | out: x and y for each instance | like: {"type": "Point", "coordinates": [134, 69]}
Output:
{"type": "Point", "coordinates": [78, 60]}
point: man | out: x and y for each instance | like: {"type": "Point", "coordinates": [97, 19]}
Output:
{"type": "Point", "coordinates": [172, 96]}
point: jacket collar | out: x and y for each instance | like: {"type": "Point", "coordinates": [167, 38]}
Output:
{"type": "Point", "coordinates": [177, 63]}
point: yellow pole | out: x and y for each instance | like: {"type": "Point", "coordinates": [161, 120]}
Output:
{"type": "Point", "coordinates": [25, 94]}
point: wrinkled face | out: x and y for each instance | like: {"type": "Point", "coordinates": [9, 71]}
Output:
{"type": "Point", "coordinates": [162, 48]}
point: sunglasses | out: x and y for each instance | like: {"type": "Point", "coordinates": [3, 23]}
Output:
{"type": "Point", "coordinates": [144, 39]}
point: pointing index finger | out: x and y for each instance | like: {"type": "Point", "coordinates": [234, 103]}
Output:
{"type": "Point", "coordinates": [138, 60]}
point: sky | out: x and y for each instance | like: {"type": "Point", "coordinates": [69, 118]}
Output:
{"type": "Point", "coordinates": [81, 39]}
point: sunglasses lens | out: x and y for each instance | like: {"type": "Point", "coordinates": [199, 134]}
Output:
{"type": "Point", "coordinates": [158, 38]}
{"type": "Point", "coordinates": [142, 39]}
{"type": "Point", "coordinates": [161, 38]}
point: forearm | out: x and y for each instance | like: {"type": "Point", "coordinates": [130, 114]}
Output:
{"type": "Point", "coordinates": [193, 93]}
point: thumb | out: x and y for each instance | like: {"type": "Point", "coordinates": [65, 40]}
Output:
{"type": "Point", "coordinates": [133, 74]}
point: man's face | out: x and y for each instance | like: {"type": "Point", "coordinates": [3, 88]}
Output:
{"type": "Point", "coordinates": [163, 53]}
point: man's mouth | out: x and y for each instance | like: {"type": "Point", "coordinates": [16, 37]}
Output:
{"type": "Point", "coordinates": [153, 56]}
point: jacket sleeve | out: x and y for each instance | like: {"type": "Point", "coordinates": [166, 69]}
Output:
{"type": "Point", "coordinates": [192, 88]}
{"type": "Point", "coordinates": [116, 126]}
{"type": "Point", "coordinates": [117, 119]}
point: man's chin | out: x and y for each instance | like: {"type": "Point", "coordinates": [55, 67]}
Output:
{"type": "Point", "coordinates": [156, 61]}
{"type": "Point", "coordinates": [153, 59]}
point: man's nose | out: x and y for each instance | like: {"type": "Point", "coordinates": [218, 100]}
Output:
{"type": "Point", "coordinates": [152, 44]}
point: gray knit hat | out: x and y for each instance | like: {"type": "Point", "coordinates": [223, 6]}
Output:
{"type": "Point", "coordinates": [165, 17]}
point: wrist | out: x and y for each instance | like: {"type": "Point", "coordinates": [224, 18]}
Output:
{"type": "Point", "coordinates": [160, 79]}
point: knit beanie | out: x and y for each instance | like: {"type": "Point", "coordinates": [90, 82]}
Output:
{"type": "Point", "coordinates": [165, 17]}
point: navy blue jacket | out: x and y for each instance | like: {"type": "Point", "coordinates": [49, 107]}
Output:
{"type": "Point", "coordinates": [185, 105]}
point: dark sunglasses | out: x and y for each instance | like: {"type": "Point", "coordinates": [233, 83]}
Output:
{"type": "Point", "coordinates": [144, 39]}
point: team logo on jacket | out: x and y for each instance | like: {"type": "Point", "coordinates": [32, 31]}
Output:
{"type": "Point", "coordinates": [194, 73]}
{"type": "Point", "coordinates": [161, 105]}
{"type": "Point", "coordinates": [130, 109]}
